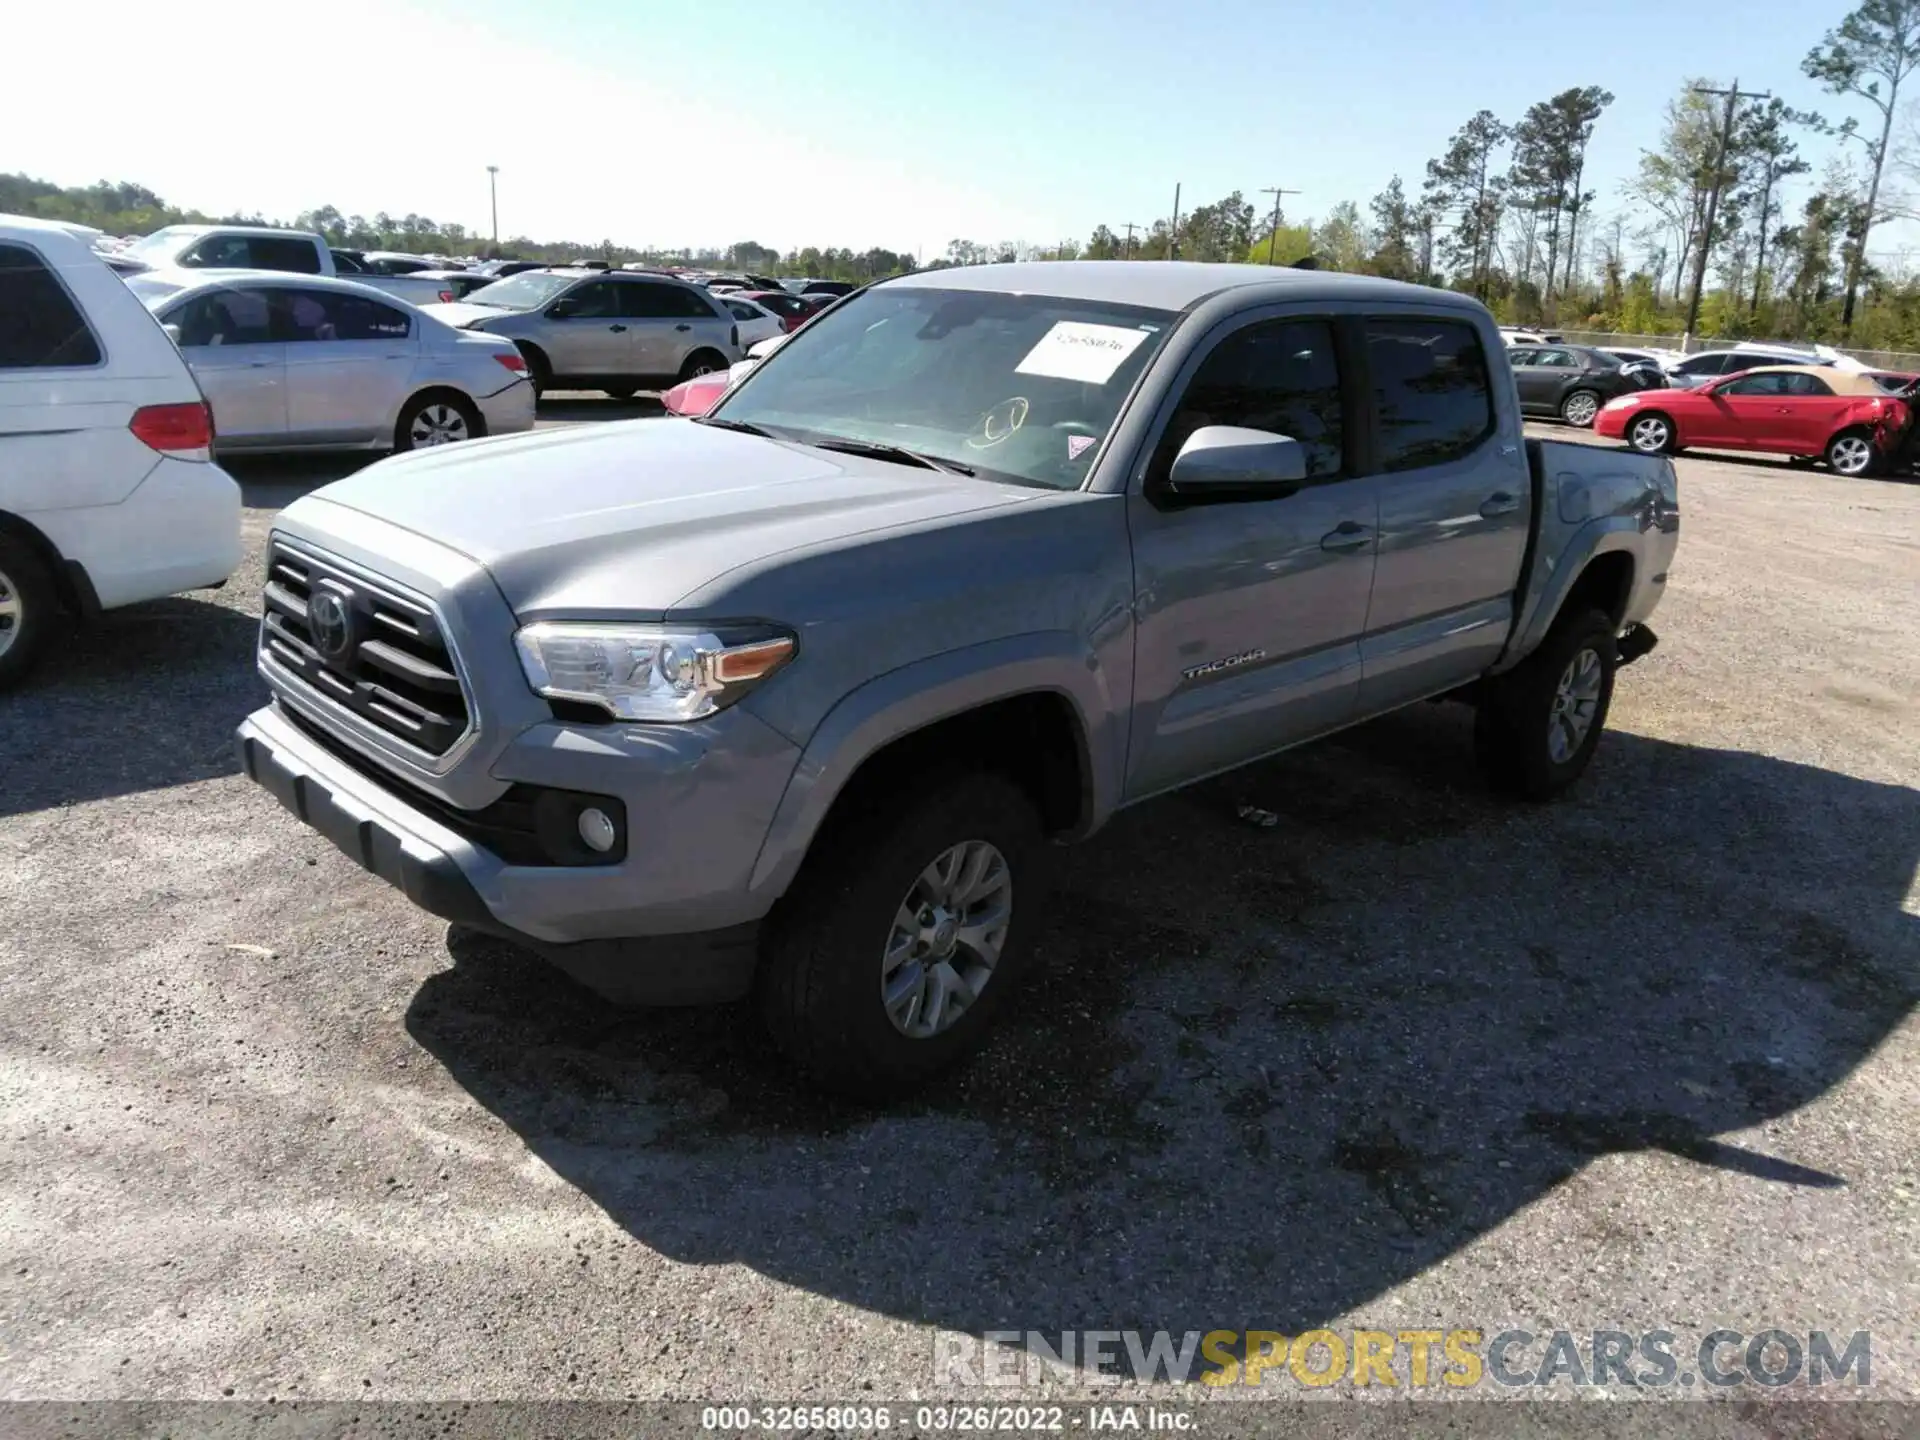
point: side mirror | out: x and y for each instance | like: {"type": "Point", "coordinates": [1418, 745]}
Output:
{"type": "Point", "coordinates": [173, 333]}
{"type": "Point", "coordinates": [1225, 462]}
{"type": "Point", "coordinates": [563, 309]}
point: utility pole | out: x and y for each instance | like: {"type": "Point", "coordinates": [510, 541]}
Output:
{"type": "Point", "coordinates": [493, 196]}
{"type": "Point", "coordinates": [1273, 234]}
{"type": "Point", "coordinates": [1173, 234]}
{"type": "Point", "coordinates": [1130, 227]}
{"type": "Point", "coordinates": [1734, 96]}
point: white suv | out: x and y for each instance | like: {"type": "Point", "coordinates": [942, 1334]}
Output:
{"type": "Point", "coordinates": [108, 490]}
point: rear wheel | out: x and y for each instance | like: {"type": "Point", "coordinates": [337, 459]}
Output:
{"type": "Point", "coordinates": [27, 605]}
{"type": "Point", "coordinates": [903, 935]}
{"type": "Point", "coordinates": [1651, 434]}
{"type": "Point", "coordinates": [702, 362]}
{"type": "Point", "coordinates": [438, 417]}
{"type": "Point", "coordinates": [1851, 453]}
{"type": "Point", "coordinates": [1579, 408]}
{"type": "Point", "coordinates": [1539, 724]}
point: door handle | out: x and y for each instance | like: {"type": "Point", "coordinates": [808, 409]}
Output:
{"type": "Point", "coordinates": [683, 327]}
{"type": "Point", "coordinates": [1346, 537]}
{"type": "Point", "coordinates": [260, 364]}
{"type": "Point", "coordinates": [616, 328]}
{"type": "Point", "coordinates": [1499, 503]}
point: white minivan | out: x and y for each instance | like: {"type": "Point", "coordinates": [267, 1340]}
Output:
{"type": "Point", "coordinates": [108, 490]}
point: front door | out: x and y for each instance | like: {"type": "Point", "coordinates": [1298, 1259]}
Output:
{"type": "Point", "coordinates": [593, 338]}
{"type": "Point", "coordinates": [1744, 413]}
{"type": "Point", "coordinates": [227, 338]}
{"type": "Point", "coordinates": [1455, 512]}
{"type": "Point", "coordinates": [350, 361]}
{"type": "Point", "coordinates": [1249, 613]}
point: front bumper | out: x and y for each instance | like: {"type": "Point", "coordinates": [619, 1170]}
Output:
{"type": "Point", "coordinates": [447, 875]}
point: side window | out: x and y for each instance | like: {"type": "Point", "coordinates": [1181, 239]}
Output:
{"type": "Point", "coordinates": [220, 252]}
{"type": "Point", "coordinates": [742, 312]}
{"type": "Point", "coordinates": [318, 315]}
{"type": "Point", "coordinates": [1705, 365]}
{"type": "Point", "coordinates": [40, 326]}
{"type": "Point", "coordinates": [294, 255]}
{"type": "Point", "coordinates": [223, 317]}
{"type": "Point", "coordinates": [598, 300]}
{"type": "Point", "coordinates": [1560, 358]}
{"type": "Point", "coordinates": [1808, 385]}
{"type": "Point", "coordinates": [686, 303]}
{"type": "Point", "coordinates": [1523, 357]}
{"type": "Point", "coordinates": [1756, 385]}
{"type": "Point", "coordinates": [642, 300]}
{"type": "Point", "coordinates": [1281, 376]}
{"type": "Point", "coordinates": [1430, 391]}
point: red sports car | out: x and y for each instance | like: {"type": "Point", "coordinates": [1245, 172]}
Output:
{"type": "Point", "coordinates": [695, 396]}
{"type": "Point", "coordinates": [1806, 411]}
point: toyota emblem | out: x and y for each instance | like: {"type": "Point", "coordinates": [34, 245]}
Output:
{"type": "Point", "coordinates": [331, 625]}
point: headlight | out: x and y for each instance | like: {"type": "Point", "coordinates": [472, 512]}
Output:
{"type": "Point", "coordinates": [648, 672]}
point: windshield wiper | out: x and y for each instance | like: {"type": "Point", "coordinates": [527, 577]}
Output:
{"type": "Point", "coordinates": [721, 422]}
{"type": "Point", "coordinates": [897, 453]}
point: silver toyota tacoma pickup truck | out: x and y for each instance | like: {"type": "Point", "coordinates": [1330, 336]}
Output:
{"type": "Point", "coordinates": [789, 701]}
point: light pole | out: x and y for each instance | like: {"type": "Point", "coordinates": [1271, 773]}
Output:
{"type": "Point", "coordinates": [493, 197]}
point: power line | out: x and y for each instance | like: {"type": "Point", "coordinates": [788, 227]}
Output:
{"type": "Point", "coordinates": [1273, 235]}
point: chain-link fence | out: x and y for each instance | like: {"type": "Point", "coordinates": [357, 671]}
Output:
{"type": "Point", "coordinates": [1902, 360]}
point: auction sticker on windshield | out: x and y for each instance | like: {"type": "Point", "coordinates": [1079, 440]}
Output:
{"type": "Point", "coordinates": [1077, 350]}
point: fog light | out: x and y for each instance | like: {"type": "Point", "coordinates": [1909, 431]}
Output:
{"type": "Point", "coordinates": [596, 830]}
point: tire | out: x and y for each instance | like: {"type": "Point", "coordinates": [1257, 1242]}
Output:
{"type": "Point", "coordinates": [1651, 433]}
{"type": "Point", "coordinates": [702, 362]}
{"type": "Point", "coordinates": [28, 602]}
{"type": "Point", "coordinates": [623, 392]}
{"type": "Point", "coordinates": [539, 368]}
{"type": "Point", "coordinates": [1851, 453]}
{"type": "Point", "coordinates": [437, 417]}
{"type": "Point", "coordinates": [1526, 737]}
{"type": "Point", "coordinates": [823, 959]}
{"type": "Point", "coordinates": [1579, 408]}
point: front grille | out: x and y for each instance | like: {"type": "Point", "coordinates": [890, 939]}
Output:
{"type": "Point", "coordinates": [375, 650]}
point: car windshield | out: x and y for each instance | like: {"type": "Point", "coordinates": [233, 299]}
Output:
{"type": "Point", "coordinates": [526, 291]}
{"type": "Point", "coordinates": [151, 289]}
{"type": "Point", "coordinates": [1016, 387]}
{"type": "Point", "coordinates": [159, 242]}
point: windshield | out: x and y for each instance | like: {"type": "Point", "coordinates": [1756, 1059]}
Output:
{"type": "Point", "coordinates": [151, 290]}
{"type": "Point", "coordinates": [159, 242]}
{"type": "Point", "coordinates": [522, 292]}
{"type": "Point", "coordinates": [1019, 387]}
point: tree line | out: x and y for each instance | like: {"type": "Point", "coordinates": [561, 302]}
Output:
{"type": "Point", "coordinates": [1505, 212]}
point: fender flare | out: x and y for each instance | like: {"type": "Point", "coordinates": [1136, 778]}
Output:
{"type": "Point", "coordinates": [1555, 576]}
{"type": "Point", "coordinates": [924, 693]}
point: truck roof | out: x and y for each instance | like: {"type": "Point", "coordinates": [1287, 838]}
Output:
{"type": "Point", "coordinates": [1170, 285]}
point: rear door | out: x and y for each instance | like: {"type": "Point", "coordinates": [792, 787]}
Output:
{"type": "Point", "coordinates": [1249, 613]}
{"type": "Point", "coordinates": [227, 337]}
{"type": "Point", "coordinates": [1455, 510]}
{"type": "Point", "coordinates": [1554, 370]}
{"type": "Point", "coordinates": [350, 360]}
{"type": "Point", "coordinates": [659, 321]}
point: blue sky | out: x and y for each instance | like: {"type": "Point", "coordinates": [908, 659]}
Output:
{"type": "Point", "coordinates": [857, 122]}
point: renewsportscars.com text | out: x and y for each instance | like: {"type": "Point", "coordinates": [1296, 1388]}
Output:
{"type": "Point", "coordinates": [1458, 1359]}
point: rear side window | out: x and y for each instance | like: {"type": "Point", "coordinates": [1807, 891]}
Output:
{"type": "Point", "coordinates": [1431, 398]}
{"type": "Point", "coordinates": [298, 256]}
{"type": "Point", "coordinates": [1704, 365]}
{"type": "Point", "coordinates": [1280, 376]}
{"type": "Point", "coordinates": [40, 326]}
{"type": "Point", "coordinates": [306, 315]}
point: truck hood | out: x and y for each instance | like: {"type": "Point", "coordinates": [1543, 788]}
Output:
{"type": "Point", "coordinates": [626, 518]}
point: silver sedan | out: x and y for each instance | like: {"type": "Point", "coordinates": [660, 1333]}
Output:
{"type": "Point", "coordinates": [302, 362]}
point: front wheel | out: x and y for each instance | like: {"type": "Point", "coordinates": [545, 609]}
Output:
{"type": "Point", "coordinates": [1539, 724]}
{"type": "Point", "coordinates": [1651, 434]}
{"type": "Point", "coordinates": [903, 935]}
{"type": "Point", "coordinates": [437, 418]}
{"type": "Point", "coordinates": [27, 603]}
{"type": "Point", "coordinates": [1579, 408]}
{"type": "Point", "coordinates": [1851, 453]}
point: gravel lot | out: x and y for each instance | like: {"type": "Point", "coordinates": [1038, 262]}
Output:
{"type": "Point", "coordinates": [1643, 1059]}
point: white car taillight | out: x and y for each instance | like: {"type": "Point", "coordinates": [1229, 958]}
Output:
{"type": "Point", "coordinates": [184, 432]}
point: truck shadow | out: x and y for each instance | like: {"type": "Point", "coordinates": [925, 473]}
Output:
{"type": "Point", "coordinates": [1267, 1072]}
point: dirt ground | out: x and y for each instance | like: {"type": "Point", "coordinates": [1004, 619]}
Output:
{"type": "Point", "coordinates": [1644, 1059]}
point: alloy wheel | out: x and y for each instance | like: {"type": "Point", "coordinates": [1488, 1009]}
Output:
{"type": "Point", "coordinates": [439, 424]}
{"type": "Point", "coordinates": [1650, 435]}
{"type": "Point", "coordinates": [946, 939]}
{"type": "Point", "coordinates": [1850, 455]}
{"type": "Point", "coordinates": [1575, 701]}
{"type": "Point", "coordinates": [1580, 409]}
{"type": "Point", "coordinates": [9, 612]}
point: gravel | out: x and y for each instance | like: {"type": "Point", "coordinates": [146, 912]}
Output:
{"type": "Point", "coordinates": [1407, 1056]}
